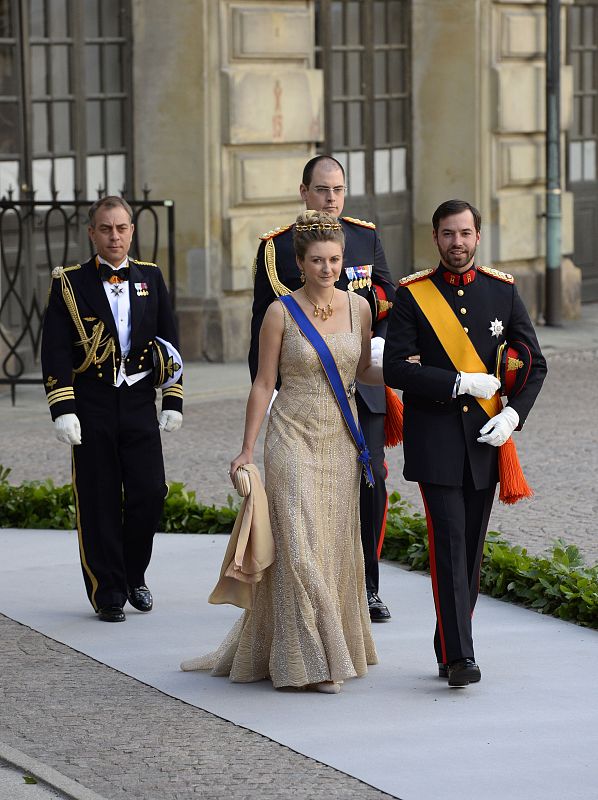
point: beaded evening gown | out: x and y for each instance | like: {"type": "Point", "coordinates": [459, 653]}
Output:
{"type": "Point", "coordinates": [310, 620]}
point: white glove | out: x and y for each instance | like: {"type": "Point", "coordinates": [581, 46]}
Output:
{"type": "Point", "coordinates": [377, 351]}
{"type": "Point", "coordinates": [274, 393]}
{"type": "Point", "coordinates": [478, 384]}
{"type": "Point", "coordinates": [68, 429]}
{"type": "Point", "coordinates": [170, 421]}
{"type": "Point", "coordinates": [498, 429]}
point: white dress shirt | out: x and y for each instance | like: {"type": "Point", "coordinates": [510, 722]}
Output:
{"type": "Point", "coordinates": [120, 305]}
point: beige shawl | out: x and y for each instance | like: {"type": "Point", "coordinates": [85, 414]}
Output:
{"type": "Point", "coordinates": [250, 549]}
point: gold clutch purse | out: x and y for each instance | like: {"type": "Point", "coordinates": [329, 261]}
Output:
{"type": "Point", "coordinates": [242, 482]}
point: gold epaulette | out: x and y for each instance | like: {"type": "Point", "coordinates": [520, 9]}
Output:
{"type": "Point", "coordinates": [496, 273]}
{"type": "Point", "coordinates": [417, 276]}
{"type": "Point", "coordinates": [361, 222]}
{"type": "Point", "coordinates": [58, 271]}
{"type": "Point", "coordinates": [143, 263]}
{"type": "Point", "coordinates": [276, 232]}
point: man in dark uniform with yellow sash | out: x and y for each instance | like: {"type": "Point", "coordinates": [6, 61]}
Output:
{"type": "Point", "coordinates": [364, 271]}
{"type": "Point", "coordinates": [109, 338]}
{"type": "Point", "coordinates": [456, 431]}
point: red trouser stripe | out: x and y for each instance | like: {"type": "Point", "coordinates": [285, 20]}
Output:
{"type": "Point", "coordinates": [433, 575]}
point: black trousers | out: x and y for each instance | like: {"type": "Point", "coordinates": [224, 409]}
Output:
{"type": "Point", "coordinates": [119, 485]}
{"type": "Point", "coordinates": [457, 518]}
{"type": "Point", "coordinates": [372, 500]}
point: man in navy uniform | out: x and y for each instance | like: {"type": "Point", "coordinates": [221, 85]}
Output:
{"type": "Point", "coordinates": [364, 271]}
{"type": "Point", "coordinates": [109, 338]}
{"type": "Point", "coordinates": [455, 317]}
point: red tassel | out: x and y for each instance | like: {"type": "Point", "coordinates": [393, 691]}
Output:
{"type": "Point", "coordinates": [513, 486]}
{"type": "Point", "coordinates": [393, 421]}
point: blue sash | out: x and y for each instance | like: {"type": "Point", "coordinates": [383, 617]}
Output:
{"type": "Point", "coordinates": [334, 378]}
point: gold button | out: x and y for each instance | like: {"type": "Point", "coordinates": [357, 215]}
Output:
{"type": "Point", "coordinates": [466, 330]}
{"type": "Point", "coordinates": [99, 374]}
{"type": "Point", "coordinates": [145, 351]}
{"type": "Point", "coordinates": [465, 409]}
{"type": "Point", "coordinates": [141, 358]}
{"type": "Point", "coordinates": [463, 310]}
{"type": "Point", "coordinates": [460, 292]}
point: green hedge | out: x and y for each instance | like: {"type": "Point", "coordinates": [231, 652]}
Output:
{"type": "Point", "coordinates": [559, 583]}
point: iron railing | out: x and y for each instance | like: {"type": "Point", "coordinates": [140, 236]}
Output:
{"type": "Point", "coordinates": [37, 235]}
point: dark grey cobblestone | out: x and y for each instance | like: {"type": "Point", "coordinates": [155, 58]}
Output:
{"type": "Point", "coordinates": [123, 739]}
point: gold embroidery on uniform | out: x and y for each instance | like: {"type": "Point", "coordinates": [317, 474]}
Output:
{"type": "Point", "coordinates": [51, 382]}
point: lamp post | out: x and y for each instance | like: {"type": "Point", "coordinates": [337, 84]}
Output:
{"type": "Point", "coordinates": [553, 163]}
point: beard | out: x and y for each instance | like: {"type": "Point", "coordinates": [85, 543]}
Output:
{"type": "Point", "coordinates": [457, 258]}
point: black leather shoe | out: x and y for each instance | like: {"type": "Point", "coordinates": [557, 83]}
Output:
{"type": "Point", "coordinates": [442, 670]}
{"type": "Point", "coordinates": [140, 598]}
{"type": "Point", "coordinates": [463, 672]}
{"type": "Point", "coordinates": [378, 611]}
{"type": "Point", "coordinates": [111, 614]}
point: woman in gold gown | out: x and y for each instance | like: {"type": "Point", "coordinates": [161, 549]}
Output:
{"type": "Point", "coordinates": [310, 625]}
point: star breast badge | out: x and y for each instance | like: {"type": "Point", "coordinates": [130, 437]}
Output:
{"type": "Point", "coordinates": [496, 327]}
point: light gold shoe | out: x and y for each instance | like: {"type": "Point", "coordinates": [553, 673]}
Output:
{"type": "Point", "coordinates": [326, 687]}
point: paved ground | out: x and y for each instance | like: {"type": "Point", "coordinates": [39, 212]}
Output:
{"type": "Point", "coordinates": [103, 711]}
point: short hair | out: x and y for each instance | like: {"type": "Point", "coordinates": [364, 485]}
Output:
{"type": "Point", "coordinates": [308, 169]}
{"type": "Point", "coordinates": [450, 207]}
{"type": "Point", "coordinates": [110, 201]}
{"type": "Point", "coordinates": [316, 226]}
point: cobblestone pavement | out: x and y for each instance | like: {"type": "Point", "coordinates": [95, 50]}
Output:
{"type": "Point", "coordinates": [123, 739]}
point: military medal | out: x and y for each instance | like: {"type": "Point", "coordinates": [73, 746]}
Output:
{"type": "Point", "coordinates": [141, 289]}
{"type": "Point", "coordinates": [496, 327]}
{"type": "Point", "coordinates": [359, 277]}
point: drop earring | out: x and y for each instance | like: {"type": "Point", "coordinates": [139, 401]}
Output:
{"type": "Point", "coordinates": [303, 277]}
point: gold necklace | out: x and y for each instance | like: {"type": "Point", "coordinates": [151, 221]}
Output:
{"type": "Point", "coordinates": [325, 311]}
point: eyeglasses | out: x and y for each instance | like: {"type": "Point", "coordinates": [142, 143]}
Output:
{"type": "Point", "coordinates": [337, 191]}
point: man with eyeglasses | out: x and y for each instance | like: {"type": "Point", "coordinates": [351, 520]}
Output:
{"type": "Point", "coordinates": [364, 271]}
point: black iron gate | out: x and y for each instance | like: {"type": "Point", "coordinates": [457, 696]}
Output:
{"type": "Point", "coordinates": [37, 235]}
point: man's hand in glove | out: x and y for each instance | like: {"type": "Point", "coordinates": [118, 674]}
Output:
{"type": "Point", "coordinates": [377, 351]}
{"type": "Point", "coordinates": [498, 429]}
{"type": "Point", "coordinates": [478, 384]}
{"type": "Point", "coordinates": [68, 429]}
{"type": "Point", "coordinates": [170, 421]}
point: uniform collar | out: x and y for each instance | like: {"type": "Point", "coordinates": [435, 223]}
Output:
{"type": "Point", "coordinates": [124, 262]}
{"type": "Point", "coordinates": [464, 279]}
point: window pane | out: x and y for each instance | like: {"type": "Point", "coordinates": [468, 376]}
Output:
{"type": "Point", "coordinates": [590, 73]}
{"type": "Point", "coordinates": [116, 174]}
{"type": "Point", "coordinates": [60, 69]}
{"type": "Point", "coordinates": [95, 175]}
{"type": "Point", "coordinates": [589, 161]}
{"type": "Point", "coordinates": [9, 129]}
{"type": "Point", "coordinates": [397, 71]}
{"type": "Point", "coordinates": [576, 131]}
{"type": "Point", "coordinates": [380, 32]}
{"type": "Point", "coordinates": [94, 126]}
{"type": "Point", "coordinates": [9, 178]}
{"type": "Point", "coordinates": [338, 80]}
{"type": "Point", "coordinates": [356, 175]}
{"type": "Point", "coordinates": [113, 81]}
{"type": "Point", "coordinates": [353, 73]}
{"type": "Point", "coordinates": [588, 117]}
{"type": "Point", "coordinates": [588, 26]}
{"type": "Point", "coordinates": [380, 86]}
{"type": "Point", "coordinates": [573, 25]}
{"type": "Point", "coordinates": [394, 121]}
{"type": "Point", "coordinates": [354, 123]}
{"type": "Point", "coordinates": [575, 161]}
{"type": "Point", "coordinates": [6, 22]}
{"type": "Point", "coordinates": [380, 132]}
{"type": "Point", "coordinates": [110, 10]}
{"type": "Point", "coordinates": [113, 124]}
{"type": "Point", "coordinates": [382, 171]}
{"type": "Point", "coordinates": [8, 70]}
{"type": "Point", "coordinates": [39, 73]}
{"type": "Point", "coordinates": [37, 15]}
{"type": "Point", "coordinates": [40, 128]}
{"type": "Point", "coordinates": [91, 19]}
{"type": "Point", "coordinates": [398, 169]}
{"type": "Point", "coordinates": [62, 127]}
{"type": "Point", "coordinates": [64, 178]}
{"type": "Point", "coordinates": [338, 128]}
{"type": "Point", "coordinates": [42, 171]}
{"type": "Point", "coordinates": [352, 23]}
{"type": "Point", "coordinates": [397, 27]}
{"type": "Point", "coordinates": [336, 23]}
{"type": "Point", "coordinates": [92, 68]}
{"type": "Point", "coordinates": [58, 19]}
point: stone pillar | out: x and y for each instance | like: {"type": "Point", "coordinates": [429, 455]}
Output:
{"type": "Point", "coordinates": [479, 107]}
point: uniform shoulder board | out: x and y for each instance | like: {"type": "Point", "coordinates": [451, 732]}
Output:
{"type": "Point", "coordinates": [276, 232]}
{"type": "Point", "coordinates": [417, 276]}
{"type": "Point", "coordinates": [143, 263]}
{"type": "Point", "coordinates": [361, 222]}
{"type": "Point", "coordinates": [496, 273]}
{"type": "Point", "coordinates": [57, 271]}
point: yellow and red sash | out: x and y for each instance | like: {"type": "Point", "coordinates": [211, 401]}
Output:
{"type": "Point", "coordinates": [464, 357]}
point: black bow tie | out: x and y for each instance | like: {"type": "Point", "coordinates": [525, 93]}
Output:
{"type": "Point", "coordinates": [106, 273]}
